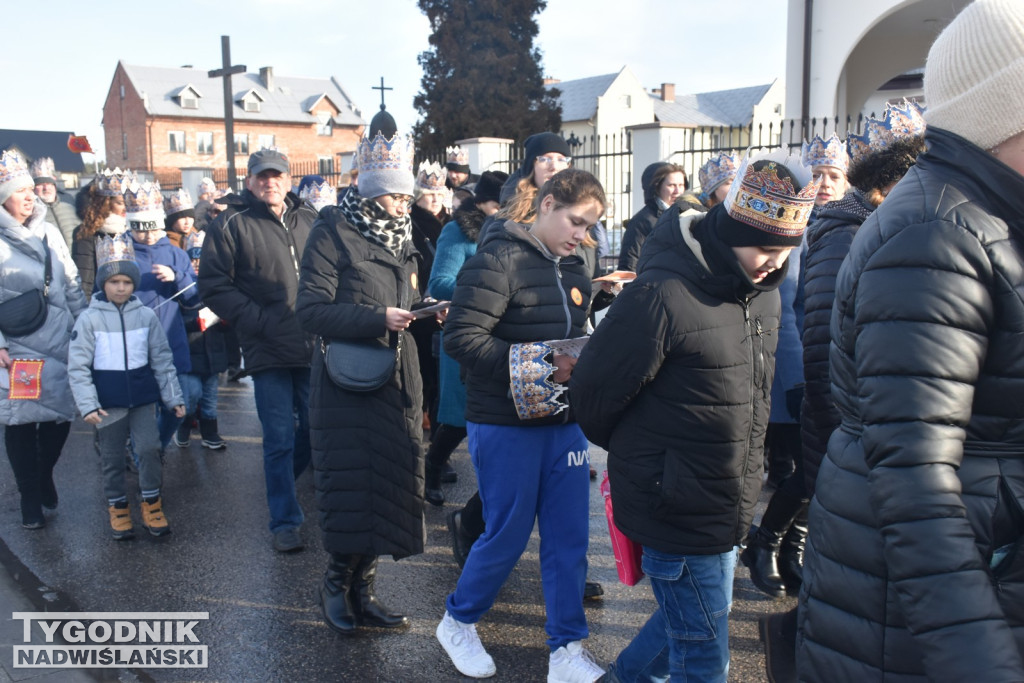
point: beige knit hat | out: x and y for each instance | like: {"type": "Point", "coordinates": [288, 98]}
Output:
{"type": "Point", "coordinates": [975, 71]}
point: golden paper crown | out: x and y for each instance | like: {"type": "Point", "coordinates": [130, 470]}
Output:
{"type": "Point", "coordinates": [114, 183]}
{"type": "Point", "coordinates": [457, 155]}
{"type": "Point", "coordinates": [831, 152]}
{"type": "Point", "coordinates": [431, 177]}
{"type": "Point", "coordinates": [144, 206]}
{"type": "Point", "coordinates": [902, 120]}
{"type": "Point", "coordinates": [759, 198]}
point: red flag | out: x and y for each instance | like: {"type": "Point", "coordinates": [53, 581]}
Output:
{"type": "Point", "coordinates": [78, 144]}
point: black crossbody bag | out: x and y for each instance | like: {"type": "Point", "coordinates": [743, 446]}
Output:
{"type": "Point", "coordinates": [26, 313]}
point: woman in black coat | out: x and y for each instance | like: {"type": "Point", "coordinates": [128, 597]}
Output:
{"type": "Point", "coordinates": [358, 282]}
{"type": "Point", "coordinates": [915, 566]}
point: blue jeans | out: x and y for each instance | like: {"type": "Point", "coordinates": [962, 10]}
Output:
{"type": "Point", "coordinates": [167, 424]}
{"type": "Point", "coordinates": [200, 390]}
{"type": "Point", "coordinates": [282, 403]}
{"type": "Point", "coordinates": [687, 637]}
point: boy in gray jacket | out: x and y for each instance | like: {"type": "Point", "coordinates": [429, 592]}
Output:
{"type": "Point", "coordinates": [119, 365]}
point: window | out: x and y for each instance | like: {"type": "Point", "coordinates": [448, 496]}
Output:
{"type": "Point", "coordinates": [251, 104]}
{"type": "Point", "coordinates": [626, 101]}
{"type": "Point", "coordinates": [176, 140]}
{"type": "Point", "coordinates": [204, 143]}
{"type": "Point", "coordinates": [124, 145]}
{"type": "Point", "coordinates": [266, 142]}
{"type": "Point", "coordinates": [325, 166]}
{"type": "Point", "coordinates": [189, 101]}
{"type": "Point", "coordinates": [122, 92]}
{"type": "Point", "coordinates": [324, 125]}
{"type": "Point", "coordinates": [241, 143]}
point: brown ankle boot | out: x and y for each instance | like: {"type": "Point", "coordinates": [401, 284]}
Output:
{"type": "Point", "coordinates": [121, 521]}
{"type": "Point", "coordinates": [153, 517]}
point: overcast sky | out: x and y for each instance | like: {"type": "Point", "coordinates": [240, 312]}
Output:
{"type": "Point", "coordinates": [58, 62]}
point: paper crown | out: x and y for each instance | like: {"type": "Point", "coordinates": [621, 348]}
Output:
{"type": "Point", "coordinates": [43, 171]}
{"type": "Point", "coordinates": [717, 170]}
{"type": "Point", "coordinates": [534, 392]}
{"type": "Point", "coordinates": [381, 154]}
{"type": "Point", "coordinates": [13, 168]}
{"type": "Point", "coordinates": [144, 206]}
{"type": "Point", "coordinates": [902, 120]}
{"type": "Point", "coordinates": [319, 194]}
{"type": "Point", "coordinates": [207, 185]}
{"type": "Point", "coordinates": [180, 201]}
{"type": "Point", "coordinates": [431, 177]}
{"type": "Point", "coordinates": [831, 152]}
{"type": "Point", "coordinates": [111, 248]}
{"type": "Point", "coordinates": [457, 156]}
{"type": "Point", "coordinates": [194, 244]}
{"type": "Point", "coordinates": [114, 183]}
{"type": "Point", "coordinates": [759, 198]}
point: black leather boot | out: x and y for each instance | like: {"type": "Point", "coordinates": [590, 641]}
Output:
{"type": "Point", "coordinates": [791, 553]}
{"type": "Point", "coordinates": [370, 611]}
{"type": "Point", "coordinates": [762, 552]}
{"type": "Point", "coordinates": [335, 595]}
{"type": "Point", "coordinates": [432, 492]}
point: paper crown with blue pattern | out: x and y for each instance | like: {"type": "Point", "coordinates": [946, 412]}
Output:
{"type": "Point", "coordinates": [43, 170]}
{"type": "Point", "coordinates": [114, 183]}
{"type": "Point", "coordinates": [902, 120]}
{"type": "Point", "coordinates": [178, 202]}
{"type": "Point", "coordinates": [13, 174]}
{"type": "Point", "coordinates": [715, 172]}
{"type": "Point", "coordinates": [319, 194]}
{"type": "Point", "coordinates": [830, 152]}
{"type": "Point", "coordinates": [774, 205]}
{"type": "Point", "coordinates": [115, 255]}
{"type": "Point", "coordinates": [386, 165]}
{"type": "Point", "coordinates": [457, 159]}
{"type": "Point", "coordinates": [144, 206]}
{"type": "Point", "coordinates": [534, 391]}
{"type": "Point", "coordinates": [431, 177]}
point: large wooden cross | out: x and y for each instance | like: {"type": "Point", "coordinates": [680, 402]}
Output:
{"type": "Point", "coordinates": [225, 72]}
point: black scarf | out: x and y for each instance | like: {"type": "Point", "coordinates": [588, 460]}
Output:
{"type": "Point", "coordinates": [375, 224]}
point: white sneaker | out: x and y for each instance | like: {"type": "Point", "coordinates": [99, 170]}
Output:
{"type": "Point", "coordinates": [463, 645]}
{"type": "Point", "coordinates": [573, 664]}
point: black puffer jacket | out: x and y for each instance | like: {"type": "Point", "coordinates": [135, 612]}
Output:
{"type": "Point", "coordinates": [249, 276]}
{"type": "Point", "coordinates": [639, 227]}
{"type": "Point", "coordinates": [924, 479]}
{"type": "Point", "coordinates": [676, 384]}
{"type": "Point", "coordinates": [367, 446]}
{"type": "Point", "coordinates": [828, 243]}
{"type": "Point", "coordinates": [511, 291]}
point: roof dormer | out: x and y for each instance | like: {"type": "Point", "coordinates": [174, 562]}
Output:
{"type": "Point", "coordinates": [251, 101]}
{"type": "Point", "coordinates": [188, 97]}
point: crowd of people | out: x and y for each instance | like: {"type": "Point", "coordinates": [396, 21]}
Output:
{"type": "Point", "coordinates": [844, 324]}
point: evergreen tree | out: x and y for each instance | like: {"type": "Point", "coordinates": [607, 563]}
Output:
{"type": "Point", "coordinates": [482, 77]}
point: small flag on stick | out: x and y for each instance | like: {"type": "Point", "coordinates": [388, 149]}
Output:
{"type": "Point", "coordinates": [78, 144]}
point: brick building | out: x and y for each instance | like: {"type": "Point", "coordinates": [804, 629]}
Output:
{"type": "Point", "coordinates": [164, 119]}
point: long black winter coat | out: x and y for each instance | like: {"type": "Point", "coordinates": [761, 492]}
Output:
{"type": "Point", "coordinates": [249, 276]}
{"type": "Point", "coordinates": [924, 480]}
{"type": "Point", "coordinates": [676, 384]}
{"type": "Point", "coordinates": [511, 291]}
{"type": "Point", "coordinates": [367, 446]}
{"type": "Point", "coordinates": [828, 243]}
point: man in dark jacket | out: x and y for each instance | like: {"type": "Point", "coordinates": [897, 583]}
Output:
{"type": "Point", "coordinates": [249, 277]}
{"type": "Point", "coordinates": [693, 340]}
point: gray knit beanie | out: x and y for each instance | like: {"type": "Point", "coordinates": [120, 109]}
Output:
{"type": "Point", "coordinates": [974, 74]}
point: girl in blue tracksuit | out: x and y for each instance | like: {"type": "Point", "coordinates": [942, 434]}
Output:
{"type": "Point", "coordinates": [525, 285]}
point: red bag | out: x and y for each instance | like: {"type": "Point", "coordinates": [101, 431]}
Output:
{"type": "Point", "coordinates": [627, 551]}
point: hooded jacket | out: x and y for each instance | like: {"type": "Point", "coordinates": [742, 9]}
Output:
{"type": "Point", "coordinates": [914, 567]}
{"type": "Point", "coordinates": [683, 415]}
{"type": "Point", "coordinates": [156, 294]}
{"type": "Point", "coordinates": [249, 277]}
{"type": "Point", "coordinates": [22, 266]}
{"type": "Point", "coordinates": [119, 358]}
{"type": "Point", "coordinates": [513, 290]}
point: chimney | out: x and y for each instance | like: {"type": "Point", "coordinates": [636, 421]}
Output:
{"type": "Point", "coordinates": [668, 92]}
{"type": "Point", "coordinates": [267, 76]}
{"type": "Point", "coordinates": [551, 81]}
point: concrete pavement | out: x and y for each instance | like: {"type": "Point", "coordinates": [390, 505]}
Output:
{"type": "Point", "coordinates": [263, 622]}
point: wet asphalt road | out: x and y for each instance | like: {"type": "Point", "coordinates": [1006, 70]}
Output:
{"type": "Point", "coordinates": [264, 624]}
